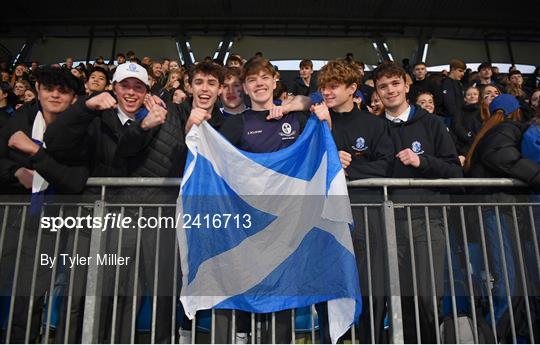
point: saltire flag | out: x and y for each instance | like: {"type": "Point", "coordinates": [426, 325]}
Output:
{"type": "Point", "coordinates": [265, 232]}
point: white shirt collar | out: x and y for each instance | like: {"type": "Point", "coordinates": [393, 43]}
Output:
{"type": "Point", "coordinates": [123, 117]}
{"type": "Point", "coordinates": [403, 116]}
{"type": "Point", "coordinates": [222, 109]}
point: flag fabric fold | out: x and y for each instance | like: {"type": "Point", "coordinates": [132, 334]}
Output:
{"type": "Point", "coordinates": [264, 232]}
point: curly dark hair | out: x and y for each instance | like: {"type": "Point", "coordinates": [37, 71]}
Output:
{"type": "Point", "coordinates": [53, 76]}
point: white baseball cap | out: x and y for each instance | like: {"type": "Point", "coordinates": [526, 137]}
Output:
{"type": "Point", "coordinates": [131, 70]}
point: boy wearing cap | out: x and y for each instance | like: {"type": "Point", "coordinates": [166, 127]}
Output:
{"type": "Point", "coordinates": [424, 149]}
{"type": "Point", "coordinates": [99, 121]}
{"type": "Point", "coordinates": [93, 132]}
{"type": "Point", "coordinates": [452, 91]}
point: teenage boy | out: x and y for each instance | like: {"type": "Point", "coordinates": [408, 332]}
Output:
{"type": "Point", "coordinates": [304, 84]}
{"type": "Point", "coordinates": [365, 151]}
{"type": "Point", "coordinates": [150, 138]}
{"type": "Point", "coordinates": [452, 91]}
{"type": "Point", "coordinates": [257, 130]}
{"type": "Point", "coordinates": [26, 167]}
{"type": "Point", "coordinates": [422, 84]}
{"type": "Point", "coordinates": [92, 132]}
{"type": "Point", "coordinates": [260, 130]}
{"type": "Point", "coordinates": [233, 96]}
{"type": "Point", "coordinates": [424, 149]}
{"type": "Point", "coordinates": [98, 80]}
{"type": "Point", "coordinates": [485, 74]}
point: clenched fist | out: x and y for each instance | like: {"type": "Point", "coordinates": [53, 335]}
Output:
{"type": "Point", "coordinates": [25, 177]}
{"type": "Point", "coordinates": [322, 112]}
{"type": "Point", "coordinates": [408, 157]}
{"type": "Point", "coordinates": [20, 141]}
{"type": "Point", "coordinates": [103, 101]}
{"type": "Point", "coordinates": [196, 117]}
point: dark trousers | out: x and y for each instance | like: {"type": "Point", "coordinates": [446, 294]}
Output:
{"type": "Point", "coordinates": [145, 284]}
{"type": "Point", "coordinates": [283, 327]}
{"type": "Point", "coordinates": [373, 308]}
{"type": "Point", "coordinates": [428, 304]}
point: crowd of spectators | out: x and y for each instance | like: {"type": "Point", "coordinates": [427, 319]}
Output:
{"type": "Point", "coordinates": [61, 124]}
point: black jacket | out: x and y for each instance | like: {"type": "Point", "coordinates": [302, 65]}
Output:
{"type": "Point", "coordinates": [63, 175]}
{"type": "Point", "coordinates": [498, 155]}
{"type": "Point", "coordinates": [438, 157]}
{"type": "Point", "coordinates": [4, 117]}
{"type": "Point", "coordinates": [366, 138]}
{"type": "Point", "coordinates": [91, 138]}
{"type": "Point", "coordinates": [425, 85]}
{"type": "Point", "coordinates": [465, 127]}
{"type": "Point", "coordinates": [300, 88]}
{"type": "Point", "coordinates": [452, 97]}
{"type": "Point", "coordinates": [161, 151]}
{"type": "Point", "coordinates": [427, 136]}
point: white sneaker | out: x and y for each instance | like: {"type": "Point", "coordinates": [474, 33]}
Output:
{"type": "Point", "coordinates": [241, 338]}
{"type": "Point", "coordinates": [185, 336]}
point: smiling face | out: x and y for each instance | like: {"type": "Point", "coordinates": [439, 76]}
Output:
{"type": "Point", "coordinates": [29, 96]}
{"type": "Point", "coordinates": [130, 94]}
{"type": "Point", "coordinates": [19, 89]}
{"type": "Point", "coordinates": [338, 96]}
{"type": "Point", "coordinates": [19, 71]}
{"type": "Point", "coordinates": [489, 93]}
{"type": "Point", "coordinates": [157, 70]}
{"type": "Point", "coordinates": [472, 95]}
{"type": "Point", "coordinates": [426, 102]}
{"type": "Point", "coordinates": [377, 108]}
{"type": "Point", "coordinates": [173, 66]}
{"type": "Point", "coordinates": [260, 88]}
{"type": "Point", "coordinates": [97, 81]}
{"type": "Point", "coordinates": [393, 93]}
{"type": "Point", "coordinates": [55, 100]}
{"type": "Point", "coordinates": [205, 89]}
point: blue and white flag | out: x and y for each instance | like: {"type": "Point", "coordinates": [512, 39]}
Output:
{"type": "Point", "coordinates": [264, 232]}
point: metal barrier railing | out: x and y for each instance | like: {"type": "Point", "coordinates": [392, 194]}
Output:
{"type": "Point", "coordinates": [421, 264]}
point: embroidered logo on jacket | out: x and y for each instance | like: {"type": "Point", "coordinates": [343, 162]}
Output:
{"type": "Point", "coordinates": [286, 130]}
{"type": "Point", "coordinates": [360, 145]}
{"type": "Point", "coordinates": [416, 147]}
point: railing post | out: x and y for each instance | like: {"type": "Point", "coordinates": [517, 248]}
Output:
{"type": "Point", "coordinates": [392, 271]}
{"type": "Point", "coordinates": [92, 304]}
